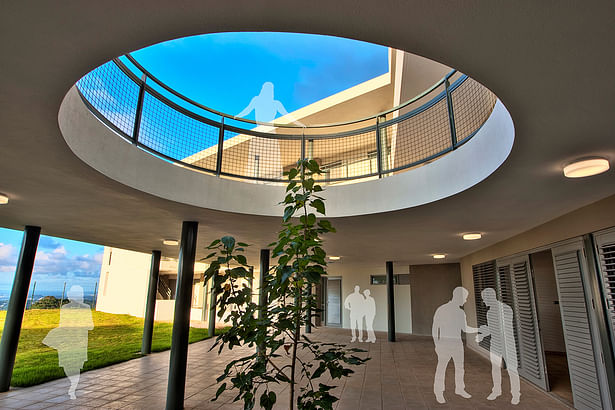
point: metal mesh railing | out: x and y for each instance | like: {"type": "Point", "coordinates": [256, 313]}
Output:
{"type": "Point", "coordinates": [161, 121]}
{"type": "Point", "coordinates": [113, 95]}
{"type": "Point", "coordinates": [176, 135]}
{"type": "Point", "coordinates": [472, 105]}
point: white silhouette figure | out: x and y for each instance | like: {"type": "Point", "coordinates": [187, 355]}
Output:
{"type": "Point", "coordinates": [264, 153]}
{"type": "Point", "coordinates": [355, 303]}
{"type": "Point", "coordinates": [70, 338]}
{"type": "Point", "coordinates": [264, 106]}
{"type": "Point", "coordinates": [502, 344]}
{"type": "Point", "coordinates": [448, 323]}
{"type": "Point", "coordinates": [370, 313]}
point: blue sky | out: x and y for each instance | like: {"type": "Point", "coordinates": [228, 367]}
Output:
{"type": "Point", "coordinates": [223, 71]}
{"type": "Point", "coordinates": [57, 261]}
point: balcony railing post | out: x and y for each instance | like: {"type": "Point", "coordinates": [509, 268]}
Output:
{"type": "Point", "coordinates": [378, 148]}
{"type": "Point", "coordinates": [451, 114]}
{"type": "Point", "coordinates": [138, 114]}
{"type": "Point", "coordinates": [303, 145]}
{"type": "Point", "coordinates": [220, 148]}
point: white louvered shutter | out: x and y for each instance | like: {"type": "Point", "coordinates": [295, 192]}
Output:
{"type": "Point", "coordinates": [580, 350]}
{"type": "Point", "coordinates": [605, 246]}
{"type": "Point", "coordinates": [484, 276]}
{"type": "Point", "coordinates": [529, 345]}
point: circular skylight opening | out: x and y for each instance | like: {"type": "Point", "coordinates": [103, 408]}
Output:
{"type": "Point", "coordinates": [248, 106]}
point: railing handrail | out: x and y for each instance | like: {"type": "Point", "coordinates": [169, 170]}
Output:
{"type": "Point", "coordinates": [181, 96]}
{"type": "Point", "coordinates": [378, 126]}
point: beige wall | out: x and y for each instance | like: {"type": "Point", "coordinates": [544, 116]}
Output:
{"type": "Point", "coordinates": [432, 285]}
{"type": "Point", "coordinates": [591, 218]}
{"type": "Point", "coordinates": [419, 73]}
{"type": "Point", "coordinates": [124, 277]}
{"type": "Point", "coordinates": [359, 275]}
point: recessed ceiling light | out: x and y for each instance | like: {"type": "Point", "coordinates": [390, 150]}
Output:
{"type": "Point", "coordinates": [439, 256]}
{"type": "Point", "coordinates": [4, 199]}
{"type": "Point", "coordinates": [586, 167]}
{"type": "Point", "coordinates": [170, 242]}
{"type": "Point", "coordinates": [335, 258]}
{"type": "Point", "coordinates": [472, 236]}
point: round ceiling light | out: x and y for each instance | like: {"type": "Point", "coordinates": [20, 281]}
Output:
{"type": "Point", "coordinates": [586, 167]}
{"type": "Point", "coordinates": [4, 199]}
{"type": "Point", "coordinates": [472, 236]}
{"type": "Point", "coordinates": [439, 256]}
{"type": "Point", "coordinates": [170, 242]}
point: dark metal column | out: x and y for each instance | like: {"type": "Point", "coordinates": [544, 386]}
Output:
{"type": "Point", "coordinates": [181, 321]}
{"type": "Point", "coordinates": [391, 301]}
{"type": "Point", "coordinates": [262, 295]}
{"type": "Point", "coordinates": [308, 324]}
{"type": "Point", "coordinates": [211, 328]}
{"type": "Point", "coordinates": [451, 113]}
{"type": "Point", "coordinates": [17, 304]}
{"type": "Point", "coordinates": [150, 307]}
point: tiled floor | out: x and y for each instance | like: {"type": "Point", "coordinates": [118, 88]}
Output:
{"type": "Point", "coordinates": [398, 376]}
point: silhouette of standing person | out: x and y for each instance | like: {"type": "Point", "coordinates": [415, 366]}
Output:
{"type": "Point", "coordinates": [355, 303]}
{"type": "Point", "coordinates": [370, 313]}
{"type": "Point", "coordinates": [264, 153]}
{"type": "Point", "coordinates": [70, 338]}
{"type": "Point", "coordinates": [264, 105]}
{"type": "Point", "coordinates": [502, 344]}
{"type": "Point", "coordinates": [448, 323]}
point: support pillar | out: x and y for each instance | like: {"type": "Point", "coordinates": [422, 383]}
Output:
{"type": "Point", "coordinates": [308, 323]}
{"type": "Point", "coordinates": [211, 328]}
{"type": "Point", "coordinates": [181, 321]}
{"type": "Point", "coordinates": [390, 301]}
{"type": "Point", "coordinates": [17, 305]}
{"type": "Point", "coordinates": [150, 307]}
{"type": "Point", "coordinates": [262, 295]}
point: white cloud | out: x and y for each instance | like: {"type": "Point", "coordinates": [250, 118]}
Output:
{"type": "Point", "coordinates": [6, 250]}
{"type": "Point", "coordinates": [8, 257]}
{"type": "Point", "coordinates": [61, 250]}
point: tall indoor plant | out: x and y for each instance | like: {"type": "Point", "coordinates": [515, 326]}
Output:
{"type": "Point", "coordinates": [282, 354]}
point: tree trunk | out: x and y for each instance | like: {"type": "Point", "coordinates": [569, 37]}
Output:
{"type": "Point", "coordinates": [294, 357]}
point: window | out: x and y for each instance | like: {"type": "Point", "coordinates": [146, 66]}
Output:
{"type": "Point", "coordinates": [398, 279]}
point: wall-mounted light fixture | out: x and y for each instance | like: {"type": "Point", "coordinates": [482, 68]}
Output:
{"type": "Point", "coordinates": [335, 258]}
{"type": "Point", "coordinates": [4, 199]}
{"type": "Point", "coordinates": [472, 236]}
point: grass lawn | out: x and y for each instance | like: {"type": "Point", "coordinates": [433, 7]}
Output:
{"type": "Point", "coordinates": [115, 338]}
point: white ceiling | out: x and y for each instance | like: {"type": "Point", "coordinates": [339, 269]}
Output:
{"type": "Point", "coordinates": [551, 64]}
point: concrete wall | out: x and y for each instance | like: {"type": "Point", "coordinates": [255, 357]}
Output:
{"type": "Point", "coordinates": [166, 308]}
{"type": "Point", "coordinates": [591, 218]}
{"type": "Point", "coordinates": [419, 73]}
{"type": "Point", "coordinates": [431, 285]}
{"type": "Point", "coordinates": [358, 275]}
{"type": "Point", "coordinates": [124, 276]}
